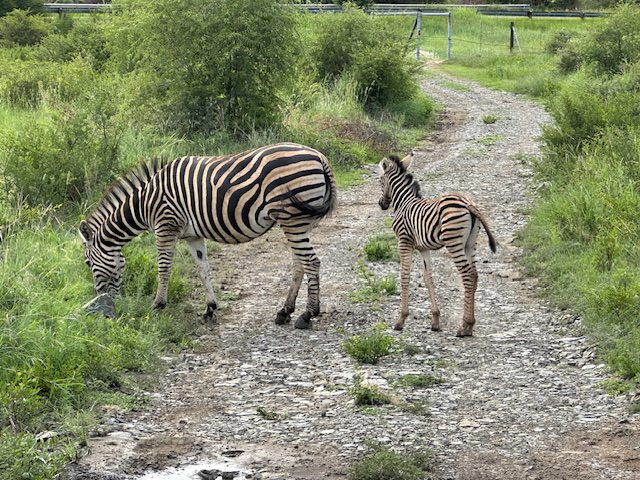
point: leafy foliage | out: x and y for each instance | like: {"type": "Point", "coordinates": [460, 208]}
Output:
{"type": "Point", "coordinates": [370, 348]}
{"type": "Point", "coordinates": [385, 464]}
{"type": "Point", "coordinates": [215, 64]}
{"type": "Point", "coordinates": [20, 28]}
{"type": "Point", "coordinates": [367, 395]}
{"type": "Point", "coordinates": [7, 6]}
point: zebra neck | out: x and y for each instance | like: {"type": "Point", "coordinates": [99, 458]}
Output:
{"type": "Point", "coordinates": [127, 221]}
{"type": "Point", "coordinates": [403, 196]}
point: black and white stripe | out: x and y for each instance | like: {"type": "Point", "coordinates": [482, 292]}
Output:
{"type": "Point", "coordinates": [229, 199]}
{"type": "Point", "coordinates": [450, 221]}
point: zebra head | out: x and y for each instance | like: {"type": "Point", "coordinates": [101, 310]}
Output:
{"type": "Point", "coordinates": [106, 263]}
{"type": "Point", "coordinates": [392, 169]}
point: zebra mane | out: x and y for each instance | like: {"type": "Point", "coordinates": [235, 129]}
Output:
{"type": "Point", "coordinates": [408, 177]}
{"type": "Point", "coordinates": [122, 188]}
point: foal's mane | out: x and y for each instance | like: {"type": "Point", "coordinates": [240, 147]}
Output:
{"type": "Point", "coordinates": [408, 177]}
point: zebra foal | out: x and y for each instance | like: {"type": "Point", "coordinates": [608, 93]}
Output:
{"type": "Point", "coordinates": [230, 199]}
{"type": "Point", "coordinates": [450, 221]}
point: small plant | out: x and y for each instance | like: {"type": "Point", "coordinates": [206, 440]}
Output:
{"type": "Point", "coordinates": [418, 380]}
{"type": "Point", "coordinates": [381, 247]}
{"type": "Point", "coordinates": [489, 119]}
{"type": "Point", "coordinates": [490, 140]}
{"type": "Point", "coordinates": [615, 386]}
{"type": "Point", "coordinates": [634, 408]}
{"type": "Point", "coordinates": [375, 287]}
{"type": "Point", "coordinates": [268, 414]}
{"type": "Point", "coordinates": [370, 348]}
{"type": "Point", "coordinates": [385, 464]}
{"type": "Point", "coordinates": [364, 394]}
{"type": "Point", "coordinates": [420, 409]}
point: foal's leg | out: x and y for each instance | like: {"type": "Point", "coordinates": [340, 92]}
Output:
{"type": "Point", "coordinates": [198, 250]}
{"type": "Point", "coordinates": [428, 281]}
{"type": "Point", "coordinates": [284, 315]}
{"type": "Point", "coordinates": [405, 250]}
{"type": "Point", "coordinates": [462, 253]}
{"type": "Point", "coordinates": [298, 238]}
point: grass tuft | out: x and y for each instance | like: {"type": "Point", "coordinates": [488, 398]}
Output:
{"type": "Point", "coordinates": [385, 464]}
{"type": "Point", "coordinates": [372, 347]}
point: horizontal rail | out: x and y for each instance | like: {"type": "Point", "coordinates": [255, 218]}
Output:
{"type": "Point", "coordinates": [76, 7]}
{"type": "Point", "coordinates": [529, 13]}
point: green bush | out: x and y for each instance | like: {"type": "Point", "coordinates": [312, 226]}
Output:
{"type": "Point", "coordinates": [615, 43]}
{"type": "Point", "coordinates": [7, 6]}
{"type": "Point", "coordinates": [367, 395]}
{"type": "Point", "coordinates": [26, 83]}
{"type": "Point", "coordinates": [380, 247]}
{"type": "Point", "coordinates": [370, 348]}
{"type": "Point", "coordinates": [558, 41]}
{"type": "Point", "coordinates": [214, 64]}
{"type": "Point", "coordinates": [67, 156]}
{"type": "Point", "coordinates": [20, 28]}
{"type": "Point", "coordinates": [365, 47]}
{"type": "Point", "coordinates": [385, 464]}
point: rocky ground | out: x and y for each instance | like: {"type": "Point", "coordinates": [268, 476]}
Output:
{"type": "Point", "coordinates": [519, 400]}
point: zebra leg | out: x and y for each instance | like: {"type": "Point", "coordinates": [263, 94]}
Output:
{"type": "Point", "coordinates": [467, 268]}
{"type": "Point", "coordinates": [198, 250]}
{"type": "Point", "coordinates": [298, 238]}
{"type": "Point", "coordinates": [405, 250]}
{"type": "Point", "coordinates": [428, 281]}
{"type": "Point", "coordinates": [284, 315]}
{"type": "Point", "coordinates": [166, 245]}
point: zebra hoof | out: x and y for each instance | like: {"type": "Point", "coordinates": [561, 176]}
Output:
{"type": "Point", "coordinates": [304, 321]}
{"type": "Point", "coordinates": [464, 332]}
{"type": "Point", "coordinates": [398, 326]}
{"type": "Point", "coordinates": [282, 317]}
{"type": "Point", "coordinates": [159, 305]}
{"type": "Point", "coordinates": [435, 328]}
{"type": "Point", "coordinates": [209, 316]}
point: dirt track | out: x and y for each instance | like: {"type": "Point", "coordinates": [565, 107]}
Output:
{"type": "Point", "coordinates": [520, 400]}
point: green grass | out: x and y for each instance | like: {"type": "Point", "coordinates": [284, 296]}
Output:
{"type": "Point", "coordinates": [374, 288]}
{"type": "Point", "coordinates": [418, 380]}
{"type": "Point", "coordinates": [372, 347]}
{"type": "Point", "coordinates": [381, 247]}
{"type": "Point", "coordinates": [489, 119]}
{"type": "Point", "coordinates": [385, 464]}
{"type": "Point", "coordinates": [367, 395]}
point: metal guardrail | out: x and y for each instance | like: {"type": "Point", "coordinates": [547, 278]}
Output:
{"type": "Point", "coordinates": [375, 9]}
{"type": "Point", "coordinates": [530, 14]}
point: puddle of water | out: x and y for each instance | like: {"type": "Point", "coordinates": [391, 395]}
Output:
{"type": "Point", "coordinates": [190, 472]}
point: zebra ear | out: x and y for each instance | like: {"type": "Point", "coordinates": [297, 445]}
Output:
{"type": "Point", "coordinates": [85, 232]}
{"type": "Point", "coordinates": [406, 161]}
{"type": "Point", "coordinates": [384, 165]}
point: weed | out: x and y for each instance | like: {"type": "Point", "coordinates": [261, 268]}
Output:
{"type": "Point", "coordinates": [615, 386]}
{"type": "Point", "coordinates": [420, 409]}
{"type": "Point", "coordinates": [418, 380]}
{"type": "Point", "coordinates": [409, 348]}
{"type": "Point", "coordinates": [370, 348]}
{"type": "Point", "coordinates": [489, 119]}
{"type": "Point", "coordinates": [454, 86]}
{"type": "Point", "coordinates": [375, 287]}
{"type": "Point", "coordinates": [385, 464]}
{"type": "Point", "coordinates": [490, 140]}
{"type": "Point", "coordinates": [364, 394]}
{"type": "Point", "coordinates": [268, 414]}
{"type": "Point", "coordinates": [381, 247]}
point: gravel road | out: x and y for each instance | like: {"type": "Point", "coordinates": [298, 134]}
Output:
{"type": "Point", "coordinates": [519, 400]}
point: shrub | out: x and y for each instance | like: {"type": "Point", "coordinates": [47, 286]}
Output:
{"type": "Point", "coordinates": [615, 43]}
{"type": "Point", "coordinates": [364, 394]}
{"type": "Point", "coordinates": [381, 246]}
{"type": "Point", "coordinates": [385, 464]}
{"type": "Point", "coordinates": [215, 64]}
{"type": "Point", "coordinates": [370, 348]}
{"type": "Point", "coordinates": [417, 111]}
{"type": "Point", "coordinates": [7, 6]}
{"type": "Point", "coordinates": [69, 155]}
{"type": "Point", "coordinates": [20, 28]}
{"type": "Point", "coordinates": [25, 83]}
{"type": "Point", "coordinates": [366, 48]}
{"type": "Point", "coordinates": [558, 41]}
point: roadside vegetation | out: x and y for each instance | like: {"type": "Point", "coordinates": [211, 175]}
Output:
{"type": "Point", "coordinates": [82, 99]}
{"type": "Point", "coordinates": [583, 239]}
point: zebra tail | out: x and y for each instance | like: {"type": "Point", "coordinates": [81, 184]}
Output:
{"type": "Point", "coordinates": [493, 244]}
{"type": "Point", "coordinates": [330, 200]}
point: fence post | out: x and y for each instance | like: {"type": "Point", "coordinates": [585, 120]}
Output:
{"type": "Point", "coordinates": [449, 32]}
{"type": "Point", "coordinates": [419, 28]}
{"type": "Point", "coordinates": [512, 36]}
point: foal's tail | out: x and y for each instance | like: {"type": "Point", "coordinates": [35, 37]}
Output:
{"type": "Point", "coordinates": [493, 244]}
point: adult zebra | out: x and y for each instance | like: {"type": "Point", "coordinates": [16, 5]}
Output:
{"type": "Point", "coordinates": [450, 221]}
{"type": "Point", "coordinates": [229, 199]}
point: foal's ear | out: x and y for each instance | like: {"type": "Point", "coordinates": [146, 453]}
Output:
{"type": "Point", "coordinates": [406, 161]}
{"type": "Point", "coordinates": [85, 232]}
{"type": "Point", "coordinates": [384, 165]}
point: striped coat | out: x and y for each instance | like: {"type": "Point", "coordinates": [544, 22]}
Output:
{"type": "Point", "coordinates": [229, 199]}
{"type": "Point", "coordinates": [451, 221]}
